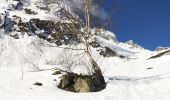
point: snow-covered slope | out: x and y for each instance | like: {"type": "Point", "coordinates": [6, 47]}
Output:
{"type": "Point", "coordinates": [127, 79]}
{"type": "Point", "coordinates": [130, 74]}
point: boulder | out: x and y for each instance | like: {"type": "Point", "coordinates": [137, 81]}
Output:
{"type": "Point", "coordinates": [82, 83]}
{"type": "Point", "coordinates": [38, 84]}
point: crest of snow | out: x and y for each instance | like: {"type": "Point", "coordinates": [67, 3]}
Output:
{"type": "Point", "coordinates": [162, 48]}
{"type": "Point", "coordinates": [133, 44]}
{"type": "Point", "coordinates": [105, 34]}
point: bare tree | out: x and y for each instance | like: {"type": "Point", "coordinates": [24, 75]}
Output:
{"type": "Point", "coordinates": [87, 8]}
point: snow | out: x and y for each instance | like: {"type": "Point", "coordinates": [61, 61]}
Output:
{"type": "Point", "coordinates": [126, 79]}
{"type": "Point", "coordinates": [134, 77]}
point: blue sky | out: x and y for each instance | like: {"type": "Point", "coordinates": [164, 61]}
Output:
{"type": "Point", "coordinates": [147, 22]}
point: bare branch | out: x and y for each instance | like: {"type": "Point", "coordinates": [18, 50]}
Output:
{"type": "Point", "coordinates": [50, 69]}
{"type": "Point", "coordinates": [64, 47]}
{"type": "Point", "coordinates": [77, 60]}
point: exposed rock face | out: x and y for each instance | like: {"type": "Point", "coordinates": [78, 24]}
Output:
{"type": "Point", "coordinates": [82, 83]}
{"type": "Point", "coordinates": [94, 44]}
{"type": "Point", "coordinates": [107, 52]}
{"type": "Point", "coordinates": [60, 33]}
{"type": "Point", "coordinates": [55, 32]}
{"type": "Point", "coordinates": [15, 27]}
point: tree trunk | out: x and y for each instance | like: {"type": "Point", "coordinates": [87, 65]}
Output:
{"type": "Point", "coordinates": [87, 35]}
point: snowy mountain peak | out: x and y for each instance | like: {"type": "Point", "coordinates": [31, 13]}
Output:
{"type": "Point", "coordinates": [133, 44]}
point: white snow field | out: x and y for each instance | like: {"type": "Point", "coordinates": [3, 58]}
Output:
{"type": "Point", "coordinates": [133, 78]}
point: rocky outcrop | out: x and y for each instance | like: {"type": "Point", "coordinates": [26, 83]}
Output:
{"type": "Point", "coordinates": [62, 30]}
{"type": "Point", "coordinates": [82, 83]}
{"type": "Point", "coordinates": [107, 52]}
{"type": "Point", "coordinates": [59, 33]}
{"type": "Point", "coordinates": [94, 44]}
{"type": "Point", "coordinates": [15, 27]}
{"type": "Point", "coordinates": [54, 32]}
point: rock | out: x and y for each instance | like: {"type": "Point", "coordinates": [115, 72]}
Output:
{"type": "Point", "coordinates": [23, 27]}
{"type": "Point", "coordinates": [16, 19]}
{"type": "Point", "coordinates": [56, 72]}
{"type": "Point", "coordinates": [122, 56]}
{"type": "Point", "coordinates": [82, 83]}
{"type": "Point", "coordinates": [160, 54]}
{"type": "Point", "coordinates": [107, 52]}
{"type": "Point", "coordinates": [94, 44]}
{"type": "Point", "coordinates": [38, 84]}
{"type": "Point", "coordinates": [60, 33]}
{"type": "Point", "coordinates": [29, 11]}
{"type": "Point", "coordinates": [15, 36]}
{"type": "Point", "coordinates": [149, 68]}
{"type": "Point", "coordinates": [66, 80]}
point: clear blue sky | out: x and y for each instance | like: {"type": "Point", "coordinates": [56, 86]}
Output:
{"type": "Point", "coordinates": [147, 22]}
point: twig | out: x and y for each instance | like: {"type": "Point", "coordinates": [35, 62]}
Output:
{"type": "Point", "coordinates": [77, 60]}
{"type": "Point", "coordinates": [40, 70]}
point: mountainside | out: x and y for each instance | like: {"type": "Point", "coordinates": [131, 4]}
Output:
{"type": "Point", "coordinates": [35, 37]}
